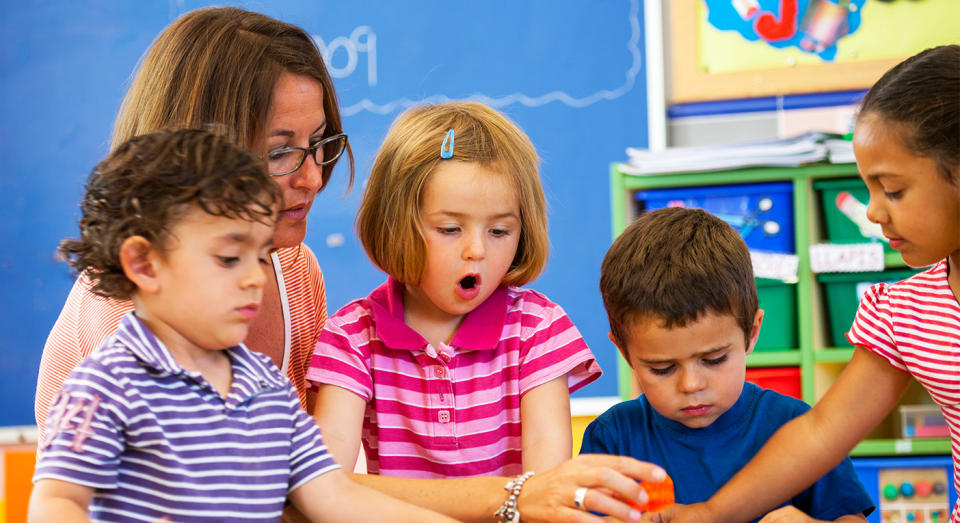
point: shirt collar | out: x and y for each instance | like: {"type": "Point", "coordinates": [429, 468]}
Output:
{"type": "Point", "coordinates": [146, 347]}
{"type": "Point", "coordinates": [480, 329]}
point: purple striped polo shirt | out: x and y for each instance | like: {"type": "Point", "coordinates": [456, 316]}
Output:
{"type": "Point", "coordinates": [452, 410]}
{"type": "Point", "coordinates": [155, 440]}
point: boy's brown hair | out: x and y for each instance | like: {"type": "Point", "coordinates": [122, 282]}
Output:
{"type": "Point", "coordinates": [147, 183]}
{"type": "Point", "coordinates": [388, 222]}
{"type": "Point", "coordinates": [673, 265]}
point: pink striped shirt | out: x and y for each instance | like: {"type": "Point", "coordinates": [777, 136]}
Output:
{"type": "Point", "coordinates": [87, 320]}
{"type": "Point", "coordinates": [915, 326]}
{"type": "Point", "coordinates": [448, 411]}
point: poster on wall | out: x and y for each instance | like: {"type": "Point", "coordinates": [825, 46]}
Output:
{"type": "Point", "coordinates": [725, 49]}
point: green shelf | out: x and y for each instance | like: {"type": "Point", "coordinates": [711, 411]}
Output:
{"type": "Point", "coordinates": [902, 447]}
{"type": "Point", "coordinates": [833, 355]}
{"type": "Point", "coordinates": [892, 260]}
{"type": "Point", "coordinates": [773, 358]}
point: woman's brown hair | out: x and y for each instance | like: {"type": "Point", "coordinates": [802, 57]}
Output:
{"type": "Point", "coordinates": [220, 66]}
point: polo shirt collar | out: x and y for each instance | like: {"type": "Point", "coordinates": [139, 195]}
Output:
{"type": "Point", "coordinates": [146, 347]}
{"type": "Point", "coordinates": [480, 329]}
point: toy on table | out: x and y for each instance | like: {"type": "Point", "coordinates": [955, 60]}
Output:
{"type": "Point", "coordinates": [659, 493]}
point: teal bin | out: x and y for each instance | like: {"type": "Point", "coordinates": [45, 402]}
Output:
{"type": "Point", "coordinates": [841, 215]}
{"type": "Point", "coordinates": [779, 303]}
{"type": "Point", "coordinates": [842, 293]}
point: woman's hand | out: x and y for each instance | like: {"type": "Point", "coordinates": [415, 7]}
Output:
{"type": "Point", "coordinates": [609, 480]}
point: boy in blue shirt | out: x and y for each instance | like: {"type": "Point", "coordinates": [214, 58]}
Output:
{"type": "Point", "coordinates": [679, 292]}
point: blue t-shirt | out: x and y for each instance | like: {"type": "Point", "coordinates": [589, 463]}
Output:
{"type": "Point", "coordinates": [701, 460]}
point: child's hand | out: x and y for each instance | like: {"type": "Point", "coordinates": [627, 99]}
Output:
{"type": "Point", "coordinates": [787, 514]}
{"type": "Point", "coordinates": [791, 514]}
{"type": "Point", "coordinates": [676, 513]}
{"type": "Point", "coordinates": [549, 496]}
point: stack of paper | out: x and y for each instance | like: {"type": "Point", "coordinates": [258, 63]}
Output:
{"type": "Point", "coordinates": [806, 148]}
{"type": "Point", "coordinates": [839, 150]}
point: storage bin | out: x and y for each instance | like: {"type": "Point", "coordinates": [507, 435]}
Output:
{"type": "Point", "coordinates": [762, 212]}
{"type": "Point", "coordinates": [842, 293]}
{"type": "Point", "coordinates": [908, 489]}
{"type": "Point", "coordinates": [850, 226]}
{"type": "Point", "coordinates": [785, 380]}
{"type": "Point", "coordinates": [779, 303]}
{"type": "Point", "coordinates": [922, 421]}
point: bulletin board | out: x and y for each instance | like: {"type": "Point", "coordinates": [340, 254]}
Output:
{"type": "Point", "coordinates": [726, 49]}
{"type": "Point", "coordinates": [570, 73]}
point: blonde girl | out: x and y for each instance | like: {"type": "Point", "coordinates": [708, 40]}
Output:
{"type": "Point", "coordinates": [450, 369]}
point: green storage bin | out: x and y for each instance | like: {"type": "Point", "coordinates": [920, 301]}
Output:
{"type": "Point", "coordinates": [779, 303]}
{"type": "Point", "coordinates": [842, 292]}
{"type": "Point", "coordinates": [837, 226]}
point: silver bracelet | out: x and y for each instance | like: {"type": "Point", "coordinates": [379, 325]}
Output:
{"type": "Point", "coordinates": [508, 512]}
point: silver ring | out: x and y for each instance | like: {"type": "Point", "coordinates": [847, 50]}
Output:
{"type": "Point", "coordinates": [579, 496]}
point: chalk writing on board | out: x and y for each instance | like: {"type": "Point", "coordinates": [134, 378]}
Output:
{"type": "Point", "coordinates": [363, 41]}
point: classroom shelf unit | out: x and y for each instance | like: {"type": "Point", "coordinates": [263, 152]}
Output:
{"type": "Point", "coordinates": [818, 360]}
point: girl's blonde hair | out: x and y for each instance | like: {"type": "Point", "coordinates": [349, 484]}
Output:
{"type": "Point", "coordinates": [220, 66]}
{"type": "Point", "coordinates": [388, 222]}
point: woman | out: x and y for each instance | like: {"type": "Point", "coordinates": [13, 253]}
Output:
{"type": "Point", "coordinates": [264, 81]}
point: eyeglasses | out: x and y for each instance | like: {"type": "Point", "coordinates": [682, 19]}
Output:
{"type": "Point", "coordinates": [287, 160]}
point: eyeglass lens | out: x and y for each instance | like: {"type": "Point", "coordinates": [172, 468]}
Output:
{"type": "Point", "coordinates": [288, 160]}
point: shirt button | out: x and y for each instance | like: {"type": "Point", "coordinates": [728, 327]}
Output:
{"type": "Point", "coordinates": [438, 371]}
{"type": "Point", "coordinates": [443, 416]}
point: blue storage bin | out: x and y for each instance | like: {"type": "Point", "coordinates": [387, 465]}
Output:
{"type": "Point", "coordinates": [909, 488]}
{"type": "Point", "coordinates": [762, 212]}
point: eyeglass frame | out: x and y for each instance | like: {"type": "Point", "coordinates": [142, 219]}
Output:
{"type": "Point", "coordinates": [312, 152]}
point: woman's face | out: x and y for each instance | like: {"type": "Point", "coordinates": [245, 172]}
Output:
{"type": "Point", "coordinates": [296, 120]}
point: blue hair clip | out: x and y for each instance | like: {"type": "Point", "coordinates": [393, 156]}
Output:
{"type": "Point", "coordinates": [447, 151]}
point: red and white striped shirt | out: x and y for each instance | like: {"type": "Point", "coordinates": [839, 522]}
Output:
{"type": "Point", "coordinates": [87, 320]}
{"type": "Point", "coordinates": [453, 410]}
{"type": "Point", "coordinates": [915, 326]}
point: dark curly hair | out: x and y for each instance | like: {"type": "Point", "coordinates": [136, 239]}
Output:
{"type": "Point", "coordinates": [148, 183]}
{"type": "Point", "coordinates": [922, 94]}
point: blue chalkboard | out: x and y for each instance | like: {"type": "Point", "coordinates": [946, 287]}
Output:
{"type": "Point", "coordinates": [570, 73]}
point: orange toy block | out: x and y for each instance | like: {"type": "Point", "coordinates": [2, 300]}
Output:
{"type": "Point", "coordinates": [660, 495]}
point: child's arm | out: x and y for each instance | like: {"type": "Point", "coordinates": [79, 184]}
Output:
{"type": "Point", "coordinates": [59, 501]}
{"type": "Point", "coordinates": [339, 413]}
{"type": "Point", "coordinates": [546, 497]}
{"type": "Point", "coordinates": [546, 436]}
{"type": "Point", "coordinates": [333, 497]}
{"type": "Point", "coordinates": [807, 447]}
{"type": "Point", "coordinates": [791, 514]}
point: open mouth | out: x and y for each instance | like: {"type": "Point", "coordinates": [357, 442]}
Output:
{"type": "Point", "coordinates": [468, 287]}
{"type": "Point", "coordinates": [469, 282]}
